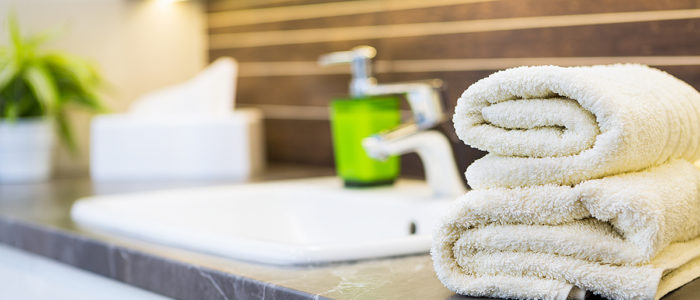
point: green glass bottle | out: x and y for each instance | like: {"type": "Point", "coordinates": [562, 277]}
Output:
{"type": "Point", "coordinates": [352, 120]}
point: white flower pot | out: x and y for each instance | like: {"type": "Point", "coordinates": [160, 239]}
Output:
{"type": "Point", "coordinates": [25, 150]}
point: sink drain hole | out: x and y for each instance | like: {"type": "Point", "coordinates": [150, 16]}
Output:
{"type": "Point", "coordinates": [412, 228]}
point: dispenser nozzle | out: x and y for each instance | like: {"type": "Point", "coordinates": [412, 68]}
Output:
{"type": "Point", "coordinates": [344, 57]}
{"type": "Point", "coordinates": [360, 60]}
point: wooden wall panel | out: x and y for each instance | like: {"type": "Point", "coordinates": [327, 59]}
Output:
{"type": "Point", "coordinates": [675, 37]}
{"type": "Point", "coordinates": [419, 40]}
{"type": "Point", "coordinates": [299, 141]}
{"type": "Point", "coordinates": [223, 21]}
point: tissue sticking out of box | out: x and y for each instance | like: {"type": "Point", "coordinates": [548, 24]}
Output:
{"type": "Point", "coordinates": [211, 92]}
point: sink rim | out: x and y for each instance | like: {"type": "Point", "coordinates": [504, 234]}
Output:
{"type": "Point", "coordinates": [87, 217]}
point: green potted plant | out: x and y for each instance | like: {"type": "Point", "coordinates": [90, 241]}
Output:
{"type": "Point", "coordinates": [36, 89]}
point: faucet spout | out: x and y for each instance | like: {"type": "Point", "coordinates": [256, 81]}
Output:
{"type": "Point", "coordinates": [434, 150]}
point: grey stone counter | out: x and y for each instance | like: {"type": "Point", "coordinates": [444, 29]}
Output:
{"type": "Point", "coordinates": [36, 218]}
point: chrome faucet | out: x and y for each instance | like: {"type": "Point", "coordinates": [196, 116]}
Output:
{"type": "Point", "coordinates": [428, 110]}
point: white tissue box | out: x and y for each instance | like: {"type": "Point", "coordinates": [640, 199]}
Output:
{"type": "Point", "coordinates": [133, 147]}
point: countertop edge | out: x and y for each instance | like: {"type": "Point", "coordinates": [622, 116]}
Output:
{"type": "Point", "coordinates": [161, 275]}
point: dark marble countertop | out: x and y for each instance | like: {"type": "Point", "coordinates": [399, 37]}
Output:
{"type": "Point", "coordinates": [36, 218]}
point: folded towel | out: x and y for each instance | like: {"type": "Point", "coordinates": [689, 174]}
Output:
{"type": "Point", "coordinates": [588, 186]}
{"type": "Point", "coordinates": [555, 125]}
{"type": "Point", "coordinates": [612, 237]}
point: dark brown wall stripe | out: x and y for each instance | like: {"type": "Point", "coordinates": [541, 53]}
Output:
{"type": "Point", "coordinates": [269, 38]}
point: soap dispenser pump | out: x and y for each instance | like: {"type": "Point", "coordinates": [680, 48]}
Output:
{"type": "Point", "coordinates": [359, 116]}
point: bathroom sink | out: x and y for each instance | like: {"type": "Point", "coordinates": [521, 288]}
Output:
{"type": "Point", "coordinates": [289, 222]}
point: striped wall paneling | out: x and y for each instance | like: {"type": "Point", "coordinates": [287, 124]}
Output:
{"type": "Point", "coordinates": [277, 43]}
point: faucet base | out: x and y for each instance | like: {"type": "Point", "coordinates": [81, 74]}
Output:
{"type": "Point", "coordinates": [434, 150]}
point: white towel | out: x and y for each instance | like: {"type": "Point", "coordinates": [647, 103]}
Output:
{"type": "Point", "coordinates": [588, 185]}
{"type": "Point", "coordinates": [558, 125]}
{"type": "Point", "coordinates": [609, 236]}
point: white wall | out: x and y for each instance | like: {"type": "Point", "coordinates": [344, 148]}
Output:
{"type": "Point", "coordinates": [139, 45]}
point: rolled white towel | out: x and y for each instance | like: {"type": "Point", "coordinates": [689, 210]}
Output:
{"type": "Point", "coordinates": [556, 125]}
{"type": "Point", "coordinates": [629, 236]}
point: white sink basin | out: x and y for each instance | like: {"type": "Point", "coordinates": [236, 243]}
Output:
{"type": "Point", "coordinates": [284, 222]}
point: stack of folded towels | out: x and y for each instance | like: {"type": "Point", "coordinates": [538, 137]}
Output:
{"type": "Point", "coordinates": [588, 186]}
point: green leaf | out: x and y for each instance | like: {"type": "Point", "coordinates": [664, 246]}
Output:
{"type": "Point", "coordinates": [64, 131]}
{"type": "Point", "coordinates": [78, 80]}
{"type": "Point", "coordinates": [77, 70]}
{"type": "Point", "coordinates": [27, 107]}
{"type": "Point", "coordinates": [88, 100]}
{"type": "Point", "coordinates": [43, 86]}
{"type": "Point", "coordinates": [10, 112]}
{"type": "Point", "coordinates": [7, 73]}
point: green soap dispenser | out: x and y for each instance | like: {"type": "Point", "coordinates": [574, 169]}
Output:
{"type": "Point", "coordinates": [355, 118]}
{"type": "Point", "coordinates": [352, 120]}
